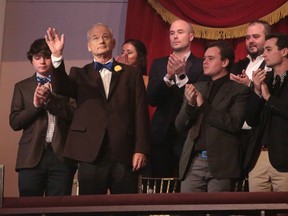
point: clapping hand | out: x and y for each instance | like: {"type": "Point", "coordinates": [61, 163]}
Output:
{"type": "Point", "coordinates": [241, 78]}
{"type": "Point", "coordinates": [42, 95]}
{"type": "Point", "coordinates": [175, 65]}
{"type": "Point", "coordinates": [193, 96]}
{"type": "Point", "coordinates": [258, 78]}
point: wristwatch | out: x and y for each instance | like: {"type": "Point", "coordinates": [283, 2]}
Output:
{"type": "Point", "coordinates": [182, 76]}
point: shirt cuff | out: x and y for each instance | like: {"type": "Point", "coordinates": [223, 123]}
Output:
{"type": "Point", "coordinates": [56, 61]}
{"type": "Point", "coordinates": [168, 82]}
{"type": "Point", "coordinates": [180, 83]}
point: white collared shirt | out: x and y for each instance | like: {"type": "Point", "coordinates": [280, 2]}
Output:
{"type": "Point", "coordinates": [254, 65]}
{"type": "Point", "coordinates": [106, 76]}
{"type": "Point", "coordinates": [51, 122]}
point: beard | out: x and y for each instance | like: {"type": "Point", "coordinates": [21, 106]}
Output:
{"type": "Point", "coordinates": [255, 52]}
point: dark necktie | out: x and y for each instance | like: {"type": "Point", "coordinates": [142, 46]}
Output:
{"type": "Point", "coordinates": [98, 66]}
{"type": "Point", "coordinates": [277, 85]}
{"type": "Point", "coordinates": [43, 80]}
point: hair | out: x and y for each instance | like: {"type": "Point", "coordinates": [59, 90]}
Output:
{"type": "Point", "coordinates": [39, 47]}
{"type": "Point", "coordinates": [226, 51]}
{"type": "Point", "coordinates": [141, 54]}
{"type": "Point", "coordinates": [267, 28]}
{"type": "Point", "coordinates": [99, 24]}
{"type": "Point", "coordinates": [282, 40]}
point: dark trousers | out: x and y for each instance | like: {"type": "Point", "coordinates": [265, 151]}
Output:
{"type": "Point", "coordinates": [97, 178]}
{"type": "Point", "coordinates": [50, 177]}
{"type": "Point", "coordinates": [106, 174]}
{"type": "Point", "coordinates": [242, 183]}
{"type": "Point", "coordinates": [165, 155]}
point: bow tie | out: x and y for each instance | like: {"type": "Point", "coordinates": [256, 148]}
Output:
{"type": "Point", "coordinates": [43, 80]}
{"type": "Point", "coordinates": [98, 66]}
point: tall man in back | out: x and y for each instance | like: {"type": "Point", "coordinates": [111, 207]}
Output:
{"type": "Point", "coordinates": [167, 79]}
{"type": "Point", "coordinates": [109, 132]}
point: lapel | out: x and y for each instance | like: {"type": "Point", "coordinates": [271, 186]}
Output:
{"type": "Point", "coordinates": [262, 66]}
{"type": "Point", "coordinates": [96, 79]}
{"type": "Point", "coordinates": [32, 82]}
{"type": "Point", "coordinates": [245, 63]}
{"type": "Point", "coordinates": [189, 65]}
{"type": "Point", "coordinates": [95, 75]}
{"type": "Point", "coordinates": [114, 77]}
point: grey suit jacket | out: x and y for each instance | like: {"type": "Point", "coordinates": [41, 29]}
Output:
{"type": "Point", "coordinates": [224, 119]}
{"type": "Point", "coordinates": [33, 121]}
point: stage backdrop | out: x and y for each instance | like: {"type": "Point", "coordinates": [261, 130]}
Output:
{"type": "Point", "coordinates": [149, 20]}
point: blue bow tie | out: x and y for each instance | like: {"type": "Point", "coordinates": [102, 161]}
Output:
{"type": "Point", "coordinates": [98, 66]}
{"type": "Point", "coordinates": [43, 80]}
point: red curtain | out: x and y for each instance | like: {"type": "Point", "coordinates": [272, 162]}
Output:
{"type": "Point", "coordinates": [221, 13]}
{"type": "Point", "coordinates": [145, 24]}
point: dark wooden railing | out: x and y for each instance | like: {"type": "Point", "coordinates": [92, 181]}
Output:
{"type": "Point", "coordinates": [225, 203]}
{"type": "Point", "coordinates": [247, 203]}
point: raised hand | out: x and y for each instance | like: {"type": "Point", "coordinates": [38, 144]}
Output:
{"type": "Point", "coordinates": [55, 42]}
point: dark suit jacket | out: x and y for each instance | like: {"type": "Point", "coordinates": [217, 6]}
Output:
{"type": "Point", "coordinates": [242, 64]}
{"type": "Point", "coordinates": [168, 100]}
{"type": "Point", "coordinates": [224, 119]}
{"type": "Point", "coordinates": [33, 121]}
{"type": "Point", "coordinates": [123, 116]}
{"type": "Point", "coordinates": [277, 139]}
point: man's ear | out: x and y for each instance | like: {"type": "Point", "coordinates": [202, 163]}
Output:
{"type": "Point", "coordinates": [225, 62]}
{"type": "Point", "coordinates": [285, 52]}
{"type": "Point", "coordinates": [191, 37]}
{"type": "Point", "coordinates": [114, 43]}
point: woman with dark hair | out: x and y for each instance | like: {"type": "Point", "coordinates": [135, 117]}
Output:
{"type": "Point", "coordinates": [134, 53]}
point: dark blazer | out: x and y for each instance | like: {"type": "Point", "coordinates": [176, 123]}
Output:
{"type": "Point", "coordinates": [123, 116]}
{"type": "Point", "coordinates": [224, 119]}
{"type": "Point", "coordinates": [276, 108]}
{"type": "Point", "coordinates": [242, 64]}
{"type": "Point", "coordinates": [33, 121]}
{"type": "Point", "coordinates": [168, 100]}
